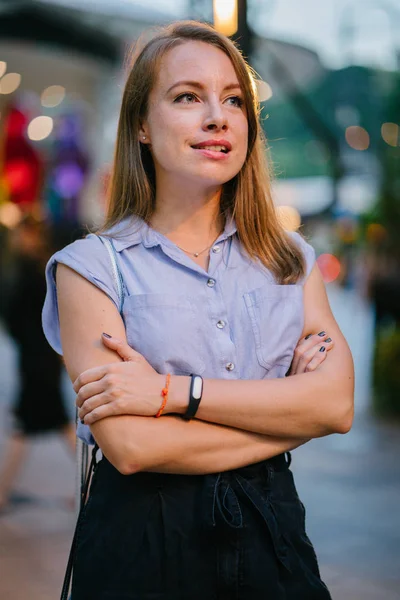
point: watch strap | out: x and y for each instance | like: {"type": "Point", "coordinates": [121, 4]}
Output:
{"type": "Point", "coordinates": [195, 395]}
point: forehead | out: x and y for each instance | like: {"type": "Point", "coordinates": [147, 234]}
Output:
{"type": "Point", "coordinates": [197, 61]}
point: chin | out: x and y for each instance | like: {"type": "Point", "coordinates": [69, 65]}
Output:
{"type": "Point", "coordinates": [213, 177]}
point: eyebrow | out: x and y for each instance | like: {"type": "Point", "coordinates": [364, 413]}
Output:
{"type": "Point", "coordinates": [200, 86]}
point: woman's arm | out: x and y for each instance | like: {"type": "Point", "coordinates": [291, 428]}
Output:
{"type": "Point", "coordinates": [133, 443]}
{"type": "Point", "coordinates": [307, 405]}
{"type": "Point", "coordinates": [171, 445]}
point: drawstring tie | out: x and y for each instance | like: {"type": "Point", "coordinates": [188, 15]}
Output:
{"type": "Point", "coordinates": [228, 488]}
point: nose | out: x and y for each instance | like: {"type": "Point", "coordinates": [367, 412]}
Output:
{"type": "Point", "coordinates": [215, 120]}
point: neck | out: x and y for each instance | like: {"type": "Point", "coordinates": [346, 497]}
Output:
{"type": "Point", "coordinates": [188, 217]}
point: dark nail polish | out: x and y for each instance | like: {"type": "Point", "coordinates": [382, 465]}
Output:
{"type": "Point", "coordinates": [321, 333]}
{"type": "Point", "coordinates": [328, 340]}
{"type": "Point", "coordinates": [308, 336]}
{"type": "Point", "coordinates": [106, 335]}
{"type": "Point", "coordinates": [82, 421]}
{"type": "Point", "coordinates": [322, 349]}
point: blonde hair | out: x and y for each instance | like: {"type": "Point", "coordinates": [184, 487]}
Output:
{"type": "Point", "coordinates": [247, 197]}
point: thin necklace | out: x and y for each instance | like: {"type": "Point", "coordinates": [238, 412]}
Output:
{"type": "Point", "coordinates": [196, 254]}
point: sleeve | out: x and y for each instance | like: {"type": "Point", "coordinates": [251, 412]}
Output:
{"type": "Point", "coordinates": [307, 251]}
{"type": "Point", "coordinates": [89, 258]}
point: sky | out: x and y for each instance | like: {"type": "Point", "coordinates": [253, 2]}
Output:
{"type": "Point", "coordinates": [321, 25]}
{"type": "Point", "coordinates": [318, 24]}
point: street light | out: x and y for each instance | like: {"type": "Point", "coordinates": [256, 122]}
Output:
{"type": "Point", "coordinates": [230, 19]}
{"type": "Point", "coordinates": [225, 14]}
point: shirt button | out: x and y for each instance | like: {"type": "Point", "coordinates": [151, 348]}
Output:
{"type": "Point", "coordinates": [229, 366]}
{"type": "Point", "coordinates": [211, 282]}
{"type": "Point", "coordinates": [221, 324]}
{"type": "Point", "coordinates": [216, 249]}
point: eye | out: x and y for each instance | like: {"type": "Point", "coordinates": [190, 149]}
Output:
{"type": "Point", "coordinates": [187, 98]}
{"type": "Point", "coordinates": [235, 101]}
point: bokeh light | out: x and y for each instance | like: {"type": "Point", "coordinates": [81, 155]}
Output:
{"type": "Point", "coordinates": [10, 83]}
{"type": "Point", "coordinates": [391, 134]}
{"type": "Point", "coordinates": [40, 128]}
{"type": "Point", "coordinates": [289, 217]}
{"type": "Point", "coordinates": [10, 215]}
{"type": "Point", "coordinates": [264, 90]}
{"type": "Point", "coordinates": [357, 137]}
{"type": "Point", "coordinates": [376, 233]}
{"type": "Point", "coordinates": [329, 266]}
{"type": "Point", "coordinates": [225, 16]}
{"type": "Point", "coordinates": [19, 175]}
{"type": "Point", "coordinates": [3, 67]}
{"type": "Point", "coordinates": [68, 179]}
{"type": "Point", "coordinates": [52, 96]}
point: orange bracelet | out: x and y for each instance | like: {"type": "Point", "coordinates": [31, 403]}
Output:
{"type": "Point", "coordinates": [164, 394]}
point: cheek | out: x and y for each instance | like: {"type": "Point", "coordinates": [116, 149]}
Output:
{"type": "Point", "coordinates": [242, 140]}
{"type": "Point", "coordinates": [168, 134]}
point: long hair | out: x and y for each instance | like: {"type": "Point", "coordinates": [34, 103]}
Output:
{"type": "Point", "coordinates": [247, 197]}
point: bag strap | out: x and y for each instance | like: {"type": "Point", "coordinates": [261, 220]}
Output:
{"type": "Point", "coordinates": [116, 272]}
{"type": "Point", "coordinates": [84, 474]}
{"type": "Point", "coordinates": [71, 558]}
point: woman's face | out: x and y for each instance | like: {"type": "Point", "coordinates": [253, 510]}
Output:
{"type": "Point", "coordinates": [196, 123]}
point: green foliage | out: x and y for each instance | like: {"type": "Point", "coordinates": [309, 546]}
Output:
{"type": "Point", "coordinates": [386, 373]}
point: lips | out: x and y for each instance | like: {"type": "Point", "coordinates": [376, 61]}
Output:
{"type": "Point", "coordinates": [214, 145]}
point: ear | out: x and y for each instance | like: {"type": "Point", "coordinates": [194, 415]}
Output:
{"type": "Point", "coordinates": [144, 137]}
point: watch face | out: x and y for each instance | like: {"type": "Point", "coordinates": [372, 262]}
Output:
{"type": "Point", "coordinates": [197, 387]}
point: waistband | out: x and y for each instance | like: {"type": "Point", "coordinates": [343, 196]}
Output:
{"type": "Point", "coordinates": [278, 463]}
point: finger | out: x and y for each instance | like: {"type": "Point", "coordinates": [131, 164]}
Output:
{"type": "Point", "coordinates": [317, 360]}
{"type": "Point", "coordinates": [89, 390]}
{"type": "Point", "coordinates": [93, 403]}
{"type": "Point", "coordinates": [315, 342]}
{"type": "Point", "coordinates": [307, 357]}
{"type": "Point", "coordinates": [121, 347]}
{"type": "Point", "coordinates": [305, 344]}
{"type": "Point", "coordinates": [90, 375]}
{"type": "Point", "coordinates": [98, 413]}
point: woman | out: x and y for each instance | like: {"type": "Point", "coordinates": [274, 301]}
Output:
{"type": "Point", "coordinates": [213, 287]}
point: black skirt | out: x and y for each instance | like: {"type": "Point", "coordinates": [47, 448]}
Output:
{"type": "Point", "coordinates": [237, 535]}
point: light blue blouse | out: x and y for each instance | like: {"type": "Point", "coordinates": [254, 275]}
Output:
{"type": "Point", "coordinates": [232, 322]}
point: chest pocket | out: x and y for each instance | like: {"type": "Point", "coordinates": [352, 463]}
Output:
{"type": "Point", "coordinates": [165, 329]}
{"type": "Point", "coordinates": [276, 315]}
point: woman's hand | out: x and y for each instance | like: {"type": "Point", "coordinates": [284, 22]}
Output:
{"type": "Point", "coordinates": [131, 387]}
{"type": "Point", "coordinates": [310, 352]}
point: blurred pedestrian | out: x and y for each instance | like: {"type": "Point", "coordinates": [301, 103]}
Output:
{"type": "Point", "coordinates": [212, 303]}
{"type": "Point", "coordinates": [39, 405]}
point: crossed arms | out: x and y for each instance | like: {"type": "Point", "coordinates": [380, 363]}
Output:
{"type": "Point", "coordinates": [239, 422]}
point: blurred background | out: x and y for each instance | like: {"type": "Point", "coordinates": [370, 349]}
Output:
{"type": "Point", "coordinates": [329, 82]}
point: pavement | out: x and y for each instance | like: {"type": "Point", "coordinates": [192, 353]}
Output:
{"type": "Point", "coordinates": [350, 485]}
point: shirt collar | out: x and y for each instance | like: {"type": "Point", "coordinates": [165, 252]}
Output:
{"type": "Point", "coordinates": [229, 229]}
{"type": "Point", "coordinates": [133, 231]}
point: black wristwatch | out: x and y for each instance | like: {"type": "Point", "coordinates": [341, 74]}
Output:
{"type": "Point", "coordinates": [195, 394]}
